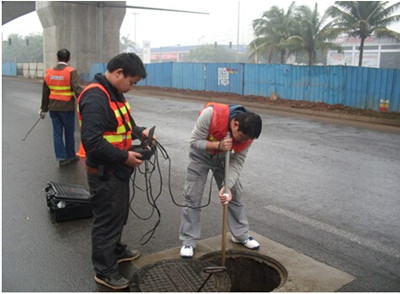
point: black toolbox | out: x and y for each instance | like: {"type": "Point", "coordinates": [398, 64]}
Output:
{"type": "Point", "coordinates": [68, 202]}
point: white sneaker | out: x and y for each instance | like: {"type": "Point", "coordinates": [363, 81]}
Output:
{"type": "Point", "coordinates": [187, 251]}
{"type": "Point", "coordinates": [249, 243]}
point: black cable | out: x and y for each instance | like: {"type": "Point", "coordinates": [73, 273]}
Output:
{"type": "Point", "coordinates": [148, 173]}
{"type": "Point", "coordinates": [166, 156]}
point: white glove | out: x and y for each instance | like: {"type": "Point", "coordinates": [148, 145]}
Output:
{"type": "Point", "coordinates": [42, 114]}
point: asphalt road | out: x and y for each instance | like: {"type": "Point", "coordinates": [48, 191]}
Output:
{"type": "Point", "coordinates": [328, 191]}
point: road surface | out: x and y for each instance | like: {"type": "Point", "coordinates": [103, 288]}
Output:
{"type": "Point", "coordinates": [326, 190]}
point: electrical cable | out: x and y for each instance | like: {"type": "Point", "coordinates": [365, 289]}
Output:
{"type": "Point", "coordinates": [151, 166]}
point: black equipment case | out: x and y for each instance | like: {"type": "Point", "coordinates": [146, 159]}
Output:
{"type": "Point", "coordinates": [68, 202]}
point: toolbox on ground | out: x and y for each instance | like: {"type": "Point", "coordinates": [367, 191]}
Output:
{"type": "Point", "coordinates": [68, 202]}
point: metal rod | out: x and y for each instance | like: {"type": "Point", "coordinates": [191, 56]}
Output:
{"type": "Point", "coordinates": [211, 270]}
{"type": "Point", "coordinates": [31, 129]}
{"type": "Point", "coordinates": [225, 207]}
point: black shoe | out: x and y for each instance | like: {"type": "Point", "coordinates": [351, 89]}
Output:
{"type": "Point", "coordinates": [76, 158]}
{"type": "Point", "coordinates": [68, 161]}
{"type": "Point", "coordinates": [64, 162]}
{"type": "Point", "coordinates": [128, 255]}
{"type": "Point", "coordinates": [116, 282]}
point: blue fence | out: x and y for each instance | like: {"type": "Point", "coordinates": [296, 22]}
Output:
{"type": "Point", "coordinates": [9, 69]}
{"type": "Point", "coordinates": [357, 87]}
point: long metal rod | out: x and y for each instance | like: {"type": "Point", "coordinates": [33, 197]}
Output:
{"type": "Point", "coordinates": [31, 129]}
{"type": "Point", "coordinates": [225, 208]}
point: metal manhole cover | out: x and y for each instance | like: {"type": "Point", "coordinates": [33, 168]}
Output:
{"type": "Point", "coordinates": [180, 275]}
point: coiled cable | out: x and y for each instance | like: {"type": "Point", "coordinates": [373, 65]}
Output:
{"type": "Point", "coordinates": [152, 166]}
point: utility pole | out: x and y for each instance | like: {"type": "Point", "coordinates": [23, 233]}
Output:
{"type": "Point", "coordinates": [237, 37]}
{"type": "Point", "coordinates": [100, 31]}
{"type": "Point", "coordinates": [135, 14]}
{"type": "Point", "coordinates": [238, 25]}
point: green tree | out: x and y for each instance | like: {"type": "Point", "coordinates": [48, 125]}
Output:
{"type": "Point", "coordinates": [363, 18]}
{"type": "Point", "coordinates": [23, 49]}
{"type": "Point", "coordinates": [273, 30]}
{"type": "Point", "coordinates": [313, 33]}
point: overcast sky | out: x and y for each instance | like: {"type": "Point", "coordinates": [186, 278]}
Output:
{"type": "Point", "coordinates": [171, 28]}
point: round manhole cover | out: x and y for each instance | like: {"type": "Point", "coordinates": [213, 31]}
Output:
{"type": "Point", "coordinates": [180, 275]}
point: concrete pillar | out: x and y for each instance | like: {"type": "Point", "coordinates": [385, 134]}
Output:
{"type": "Point", "coordinates": [89, 31]}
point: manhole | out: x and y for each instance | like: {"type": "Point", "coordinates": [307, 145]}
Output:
{"type": "Point", "coordinates": [180, 275]}
{"type": "Point", "coordinates": [249, 271]}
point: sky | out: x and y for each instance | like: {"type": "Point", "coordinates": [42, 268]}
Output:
{"type": "Point", "coordinates": [227, 21]}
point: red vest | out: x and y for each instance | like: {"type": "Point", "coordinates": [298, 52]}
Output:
{"type": "Point", "coordinates": [59, 83]}
{"type": "Point", "coordinates": [219, 126]}
{"type": "Point", "coordinates": [121, 137]}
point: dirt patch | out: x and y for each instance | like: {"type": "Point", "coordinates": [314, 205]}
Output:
{"type": "Point", "coordinates": [277, 104]}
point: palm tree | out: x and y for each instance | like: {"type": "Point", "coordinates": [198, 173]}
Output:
{"type": "Point", "coordinates": [126, 44]}
{"type": "Point", "coordinates": [272, 30]}
{"type": "Point", "coordinates": [313, 33]}
{"type": "Point", "coordinates": [363, 18]}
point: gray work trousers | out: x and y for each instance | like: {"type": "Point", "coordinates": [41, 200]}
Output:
{"type": "Point", "coordinates": [197, 172]}
{"type": "Point", "coordinates": [110, 206]}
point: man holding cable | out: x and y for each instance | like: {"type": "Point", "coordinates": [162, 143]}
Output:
{"type": "Point", "coordinates": [107, 130]}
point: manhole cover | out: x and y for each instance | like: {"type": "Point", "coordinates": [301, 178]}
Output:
{"type": "Point", "coordinates": [180, 275]}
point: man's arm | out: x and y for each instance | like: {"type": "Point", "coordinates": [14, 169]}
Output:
{"type": "Point", "coordinates": [45, 98]}
{"type": "Point", "coordinates": [75, 83]}
{"type": "Point", "coordinates": [199, 136]}
{"type": "Point", "coordinates": [235, 167]}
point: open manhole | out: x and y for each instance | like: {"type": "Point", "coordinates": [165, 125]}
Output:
{"type": "Point", "coordinates": [181, 275]}
{"type": "Point", "coordinates": [249, 271]}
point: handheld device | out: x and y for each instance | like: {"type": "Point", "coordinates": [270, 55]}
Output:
{"type": "Point", "coordinates": [147, 147]}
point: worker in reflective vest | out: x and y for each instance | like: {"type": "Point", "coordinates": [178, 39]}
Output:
{"type": "Point", "coordinates": [107, 129]}
{"type": "Point", "coordinates": [60, 86]}
{"type": "Point", "coordinates": [208, 143]}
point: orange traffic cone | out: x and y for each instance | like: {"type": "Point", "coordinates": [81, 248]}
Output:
{"type": "Point", "coordinates": [81, 153]}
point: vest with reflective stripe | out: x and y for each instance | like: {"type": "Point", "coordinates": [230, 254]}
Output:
{"type": "Point", "coordinates": [121, 137]}
{"type": "Point", "coordinates": [219, 126]}
{"type": "Point", "coordinates": [59, 83]}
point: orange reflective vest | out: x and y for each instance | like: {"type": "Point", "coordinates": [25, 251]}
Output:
{"type": "Point", "coordinates": [122, 137]}
{"type": "Point", "coordinates": [219, 126]}
{"type": "Point", "coordinates": [59, 83]}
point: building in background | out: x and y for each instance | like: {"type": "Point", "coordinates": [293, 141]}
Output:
{"type": "Point", "coordinates": [378, 53]}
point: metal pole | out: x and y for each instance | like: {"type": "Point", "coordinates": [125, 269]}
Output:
{"type": "Point", "coordinates": [225, 207]}
{"type": "Point", "coordinates": [100, 31]}
{"type": "Point", "coordinates": [31, 129]}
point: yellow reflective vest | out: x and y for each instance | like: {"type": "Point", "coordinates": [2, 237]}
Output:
{"type": "Point", "coordinates": [59, 83]}
{"type": "Point", "coordinates": [122, 136]}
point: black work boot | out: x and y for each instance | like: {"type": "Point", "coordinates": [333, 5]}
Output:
{"type": "Point", "coordinates": [128, 255]}
{"type": "Point", "coordinates": [116, 282]}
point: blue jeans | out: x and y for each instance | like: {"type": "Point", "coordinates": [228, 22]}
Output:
{"type": "Point", "coordinates": [63, 124]}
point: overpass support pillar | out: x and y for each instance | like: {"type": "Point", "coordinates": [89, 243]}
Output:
{"type": "Point", "coordinates": [89, 30]}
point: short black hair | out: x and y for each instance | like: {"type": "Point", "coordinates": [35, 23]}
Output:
{"type": "Point", "coordinates": [63, 55]}
{"type": "Point", "coordinates": [130, 63]}
{"type": "Point", "coordinates": [250, 124]}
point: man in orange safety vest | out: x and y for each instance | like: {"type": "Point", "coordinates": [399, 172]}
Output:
{"type": "Point", "coordinates": [60, 87]}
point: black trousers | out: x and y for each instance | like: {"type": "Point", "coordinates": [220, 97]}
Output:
{"type": "Point", "coordinates": [110, 206]}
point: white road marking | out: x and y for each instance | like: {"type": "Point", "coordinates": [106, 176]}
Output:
{"type": "Point", "coordinates": [338, 232]}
